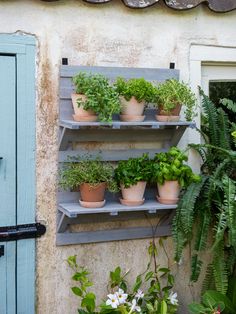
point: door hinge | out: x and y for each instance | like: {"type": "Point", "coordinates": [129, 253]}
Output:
{"type": "Point", "coordinates": [21, 232]}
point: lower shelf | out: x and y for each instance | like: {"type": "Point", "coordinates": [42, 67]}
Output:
{"type": "Point", "coordinates": [73, 213]}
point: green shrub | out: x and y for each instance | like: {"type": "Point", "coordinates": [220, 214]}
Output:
{"type": "Point", "coordinates": [172, 93]}
{"type": "Point", "coordinates": [141, 89]}
{"type": "Point", "coordinates": [101, 96]}
{"type": "Point", "coordinates": [131, 171]}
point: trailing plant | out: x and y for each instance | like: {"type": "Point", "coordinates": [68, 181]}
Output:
{"type": "Point", "coordinates": [172, 93]}
{"type": "Point", "coordinates": [131, 171]}
{"type": "Point", "coordinates": [150, 294]}
{"type": "Point", "coordinates": [141, 89]}
{"type": "Point", "coordinates": [85, 170]}
{"type": "Point", "coordinates": [207, 210]}
{"type": "Point", "coordinates": [170, 166]}
{"type": "Point", "coordinates": [100, 95]}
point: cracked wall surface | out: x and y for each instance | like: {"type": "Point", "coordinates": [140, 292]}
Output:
{"type": "Point", "coordinates": [108, 35]}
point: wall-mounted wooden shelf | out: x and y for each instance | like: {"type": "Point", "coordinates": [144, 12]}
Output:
{"type": "Point", "coordinates": [149, 131]}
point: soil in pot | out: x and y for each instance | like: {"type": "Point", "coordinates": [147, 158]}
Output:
{"type": "Point", "coordinates": [171, 116]}
{"type": "Point", "coordinates": [134, 194]}
{"type": "Point", "coordinates": [80, 113]}
{"type": "Point", "coordinates": [92, 193]}
{"type": "Point", "coordinates": [132, 110]}
{"type": "Point", "coordinates": [168, 192]}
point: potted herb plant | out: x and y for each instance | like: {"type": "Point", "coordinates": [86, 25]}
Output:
{"type": "Point", "coordinates": [134, 93]}
{"type": "Point", "coordinates": [91, 177]}
{"type": "Point", "coordinates": [170, 97]}
{"type": "Point", "coordinates": [171, 174]}
{"type": "Point", "coordinates": [94, 98]}
{"type": "Point", "coordinates": [132, 176]}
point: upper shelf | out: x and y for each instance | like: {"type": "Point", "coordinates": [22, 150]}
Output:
{"type": "Point", "coordinates": [117, 124]}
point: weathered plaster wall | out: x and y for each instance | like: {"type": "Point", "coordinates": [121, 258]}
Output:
{"type": "Point", "coordinates": [109, 35]}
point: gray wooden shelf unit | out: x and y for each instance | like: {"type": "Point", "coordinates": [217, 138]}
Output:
{"type": "Point", "coordinates": [149, 131]}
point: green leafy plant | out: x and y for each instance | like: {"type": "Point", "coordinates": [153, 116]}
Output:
{"type": "Point", "coordinates": [100, 95]}
{"type": "Point", "coordinates": [214, 302]}
{"type": "Point", "coordinates": [85, 170]}
{"type": "Point", "coordinates": [172, 93]}
{"type": "Point", "coordinates": [155, 298]}
{"type": "Point", "coordinates": [133, 170]}
{"type": "Point", "coordinates": [141, 89]}
{"type": "Point", "coordinates": [210, 205]}
{"type": "Point", "coordinates": [170, 166]}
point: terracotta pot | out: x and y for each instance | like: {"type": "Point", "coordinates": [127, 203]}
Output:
{"type": "Point", "coordinates": [162, 118]}
{"type": "Point", "coordinates": [169, 190]}
{"type": "Point", "coordinates": [92, 193]}
{"type": "Point", "coordinates": [79, 111]}
{"type": "Point", "coordinates": [171, 116]}
{"type": "Point", "coordinates": [131, 107]}
{"type": "Point", "coordinates": [173, 112]}
{"type": "Point", "coordinates": [134, 192]}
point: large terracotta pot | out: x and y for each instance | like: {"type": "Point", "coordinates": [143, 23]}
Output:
{"type": "Point", "coordinates": [132, 110]}
{"type": "Point", "coordinates": [80, 113]}
{"type": "Point", "coordinates": [171, 116]}
{"type": "Point", "coordinates": [92, 193]}
{"type": "Point", "coordinates": [134, 194]}
{"type": "Point", "coordinates": [168, 192]}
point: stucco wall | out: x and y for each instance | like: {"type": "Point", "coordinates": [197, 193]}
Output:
{"type": "Point", "coordinates": [109, 35]}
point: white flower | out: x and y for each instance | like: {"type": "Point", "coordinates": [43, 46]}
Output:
{"type": "Point", "coordinates": [112, 300]}
{"type": "Point", "coordinates": [121, 296]}
{"type": "Point", "coordinates": [139, 294]}
{"type": "Point", "coordinates": [134, 307]}
{"type": "Point", "coordinates": [173, 298]}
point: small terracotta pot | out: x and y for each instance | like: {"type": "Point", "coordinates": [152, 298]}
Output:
{"type": "Point", "coordinates": [171, 116]}
{"type": "Point", "coordinates": [169, 190]}
{"type": "Point", "coordinates": [134, 192]}
{"type": "Point", "coordinates": [92, 193]}
{"type": "Point", "coordinates": [131, 107]}
{"type": "Point", "coordinates": [79, 111]}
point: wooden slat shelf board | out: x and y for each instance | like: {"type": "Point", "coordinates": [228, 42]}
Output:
{"type": "Point", "coordinates": [108, 155]}
{"type": "Point", "coordinates": [68, 238]}
{"type": "Point", "coordinates": [112, 208]}
{"type": "Point", "coordinates": [71, 124]}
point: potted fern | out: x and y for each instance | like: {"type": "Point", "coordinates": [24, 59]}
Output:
{"type": "Point", "coordinates": [94, 98]}
{"type": "Point", "coordinates": [170, 97]}
{"type": "Point", "coordinates": [91, 177]}
{"type": "Point", "coordinates": [171, 174]}
{"type": "Point", "coordinates": [132, 176]}
{"type": "Point", "coordinates": [134, 93]}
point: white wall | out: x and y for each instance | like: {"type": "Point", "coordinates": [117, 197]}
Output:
{"type": "Point", "coordinates": [109, 35]}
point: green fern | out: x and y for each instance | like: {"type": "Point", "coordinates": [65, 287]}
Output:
{"type": "Point", "coordinates": [229, 104]}
{"type": "Point", "coordinates": [196, 266]}
{"type": "Point", "coordinates": [210, 111]}
{"type": "Point", "coordinates": [224, 129]}
{"type": "Point", "coordinates": [211, 204]}
{"type": "Point", "coordinates": [220, 270]}
{"type": "Point", "coordinates": [208, 283]}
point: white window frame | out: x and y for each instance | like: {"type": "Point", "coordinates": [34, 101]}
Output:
{"type": "Point", "coordinates": [201, 55]}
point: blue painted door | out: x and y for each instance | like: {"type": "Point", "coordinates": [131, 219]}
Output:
{"type": "Point", "coordinates": [8, 180]}
{"type": "Point", "coordinates": [17, 170]}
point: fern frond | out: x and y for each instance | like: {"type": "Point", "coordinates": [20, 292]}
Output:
{"type": "Point", "coordinates": [208, 283]}
{"type": "Point", "coordinates": [211, 114]}
{"type": "Point", "coordinates": [220, 271]}
{"type": "Point", "coordinates": [187, 206]}
{"type": "Point", "coordinates": [229, 104]}
{"type": "Point", "coordinates": [229, 207]}
{"type": "Point", "coordinates": [196, 266]}
{"type": "Point", "coordinates": [219, 229]}
{"type": "Point", "coordinates": [179, 237]}
{"type": "Point", "coordinates": [224, 129]}
{"type": "Point", "coordinates": [202, 229]}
